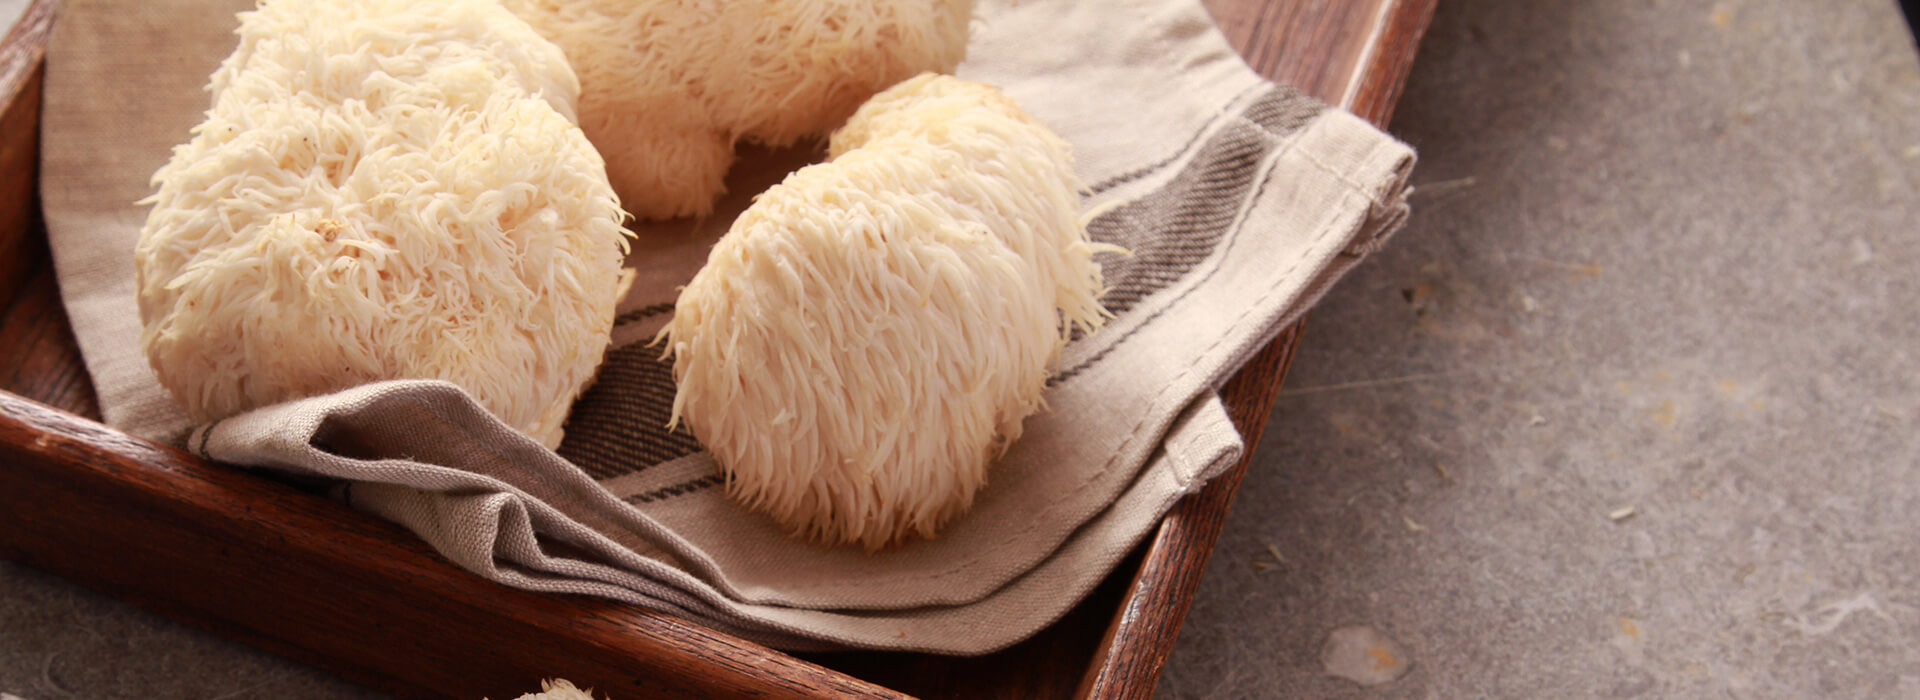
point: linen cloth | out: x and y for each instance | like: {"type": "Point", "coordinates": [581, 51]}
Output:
{"type": "Point", "coordinates": [1240, 201]}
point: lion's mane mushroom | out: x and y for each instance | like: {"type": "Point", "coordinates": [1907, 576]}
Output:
{"type": "Point", "coordinates": [668, 86]}
{"type": "Point", "coordinates": [383, 189]}
{"type": "Point", "coordinates": [870, 334]}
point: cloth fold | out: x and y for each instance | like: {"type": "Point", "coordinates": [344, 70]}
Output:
{"type": "Point", "coordinates": [1241, 203]}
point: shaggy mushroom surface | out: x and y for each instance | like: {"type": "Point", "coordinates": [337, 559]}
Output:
{"type": "Point", "coordinates": [669, 86]}
{"type": "Point", "coordinates": [383, 189]}
{"type": "Point", "coordinates": [871, 333]}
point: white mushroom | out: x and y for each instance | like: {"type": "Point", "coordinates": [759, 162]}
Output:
{"type": "Point", "coordinates": [383, 189]}
{"type": "Point", "coordinates": [870, 334]}
{"type": "Point", "coordinates": [670, 85]}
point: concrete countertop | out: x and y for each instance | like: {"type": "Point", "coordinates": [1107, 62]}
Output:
{"type": "Point", "coordinates": [1629, 409]}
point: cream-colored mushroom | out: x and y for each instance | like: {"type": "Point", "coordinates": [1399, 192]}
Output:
{"type": "Point", "coordinates": [871, 333]}
{"type": "Point", "coordinates": [670, 85]}
{"type": "Point", "coordinates": [383, 189]}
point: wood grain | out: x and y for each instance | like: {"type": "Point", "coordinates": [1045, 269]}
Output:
{"type": "Point", "coordinates": [274, 567]}
{"type": "Point", "coordinates": [22, 55]}
{"type": "Point", "coordinates": [1310, 45]}
{"type": "Point", "coordinates": [1380, 82]}
{"type": "Point", "coordinates": [38, 356]}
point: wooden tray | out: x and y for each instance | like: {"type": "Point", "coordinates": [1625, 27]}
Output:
{"type": "Point", "coordinates": [275, 567]}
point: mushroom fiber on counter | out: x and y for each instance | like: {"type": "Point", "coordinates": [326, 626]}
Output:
{"type": "Point", "coordinates": [869, 336]}
{"type": "Point", "coordinates": [383, 189]}
{"type": "Point", "coordinates": [559, 689]}
{"type": "Point", "coordinates": [669, 86]}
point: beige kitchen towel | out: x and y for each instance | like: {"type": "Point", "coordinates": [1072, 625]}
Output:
{"type": "Point", "coordinates": [1241, 201]}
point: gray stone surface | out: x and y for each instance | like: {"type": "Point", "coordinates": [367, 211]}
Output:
{"type": "Point", "coordinates": [58, 640]}
{"type": "Point", "coordinates": [1666, 260]}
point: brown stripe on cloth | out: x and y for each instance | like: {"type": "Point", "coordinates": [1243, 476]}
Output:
{"type": "Point", "coordinates": [680, 489]}
{"type": "Point", "coordinates": [1283, 110]}
{"type": "Point", "coordinates": [618, 426]}
{"type": "Point", "coordinates": [641, 314]}
{"type": "Point", "coordinates": [1179, 225]}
